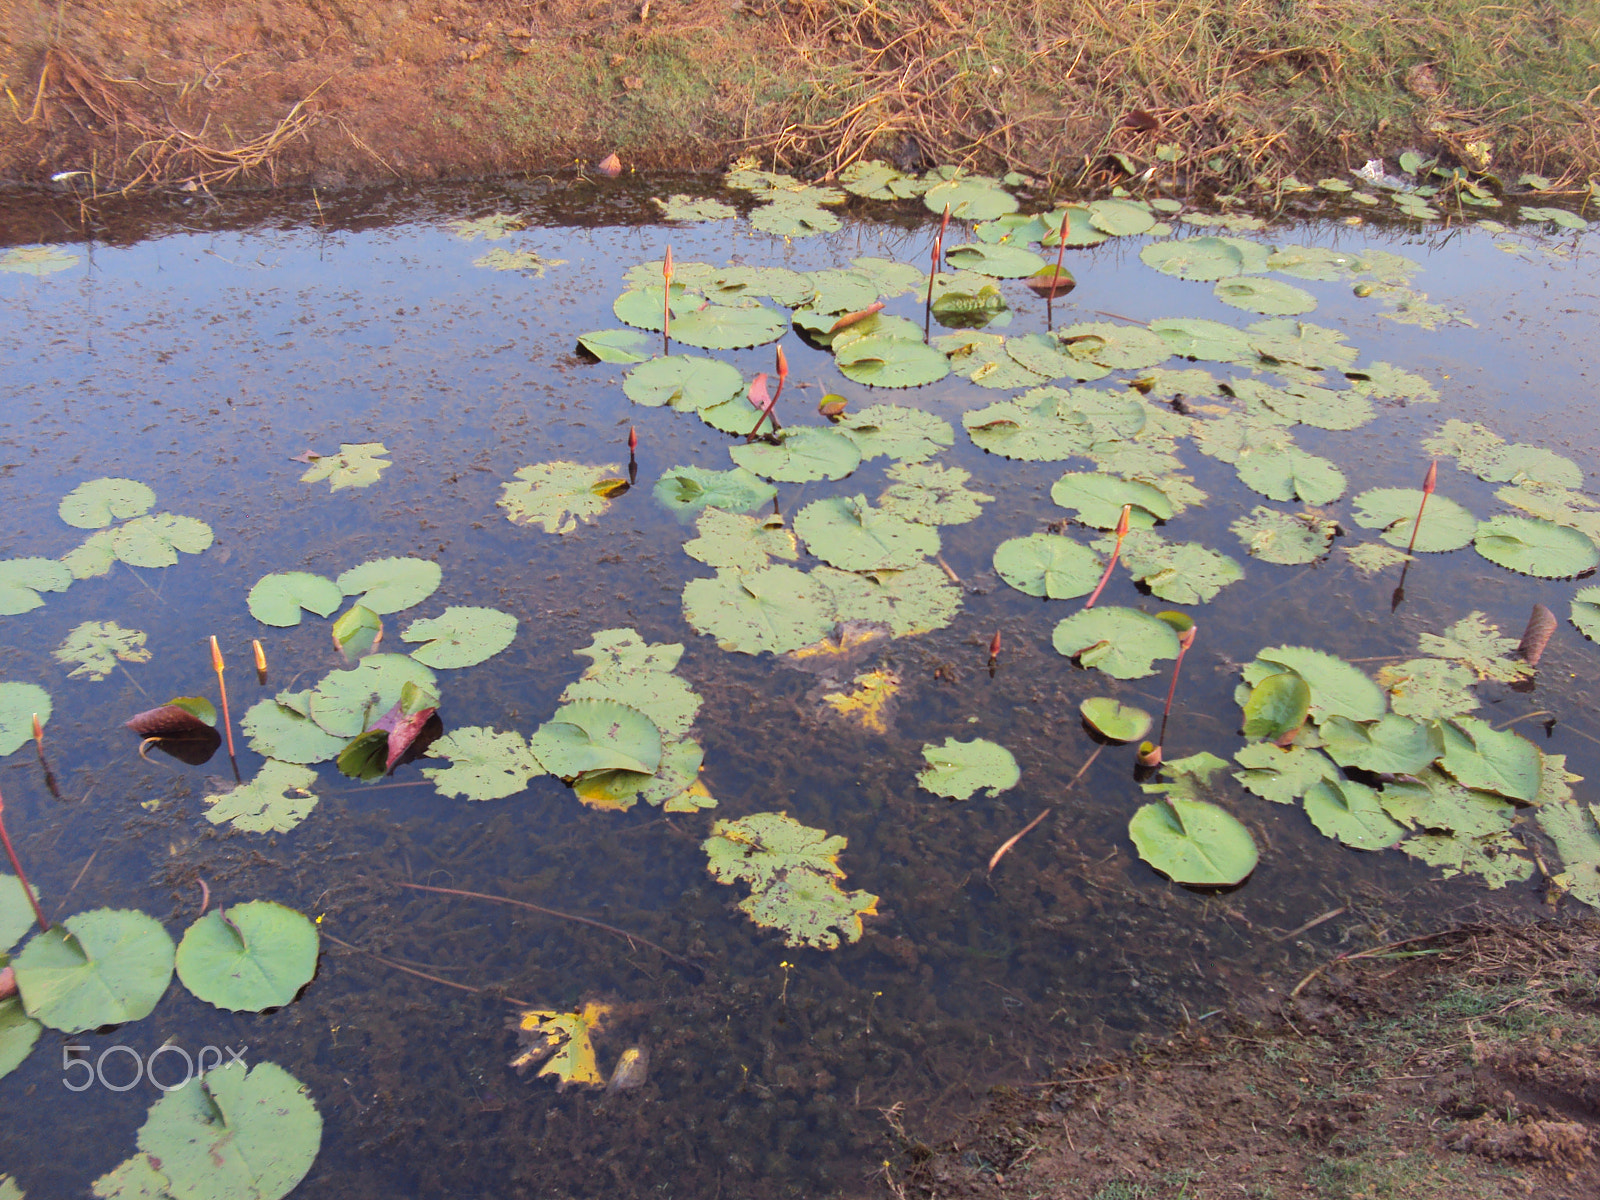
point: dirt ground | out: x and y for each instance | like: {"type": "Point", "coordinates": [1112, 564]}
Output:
{"type": "Point", "coordinates": [218, 94]}
{"type": "Point", "coordinates": [1457, 1067]}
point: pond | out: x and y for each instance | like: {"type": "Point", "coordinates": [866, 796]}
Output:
{"type": "Point", "coordinates": [221, 354]}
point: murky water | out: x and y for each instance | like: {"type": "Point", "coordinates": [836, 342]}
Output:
{"type": "Point", "coordinates": [198, 349]}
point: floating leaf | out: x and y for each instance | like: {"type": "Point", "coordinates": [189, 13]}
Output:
{"type": "Point", "coordinates": [971, 198]}
{"type": "Point", "coordinates": [16, 913]}
{"type": "Point", "coordinates": [39, 260]}
{"type": "Point", "coordinates": [1287, 538]}
{"type": "Point", "coordinates": [792, 220]}
{"type": "Point", "coordinates": [1494, 857]}
{"type": "Point", "coordinates": [1585, 612]}
{"type": "Point", "coordinates": [1193, 842]}
{"type": "Point", "coordinates": [984, 359]}
{"type": "Point", "coordinates": [669, 702]}
{"type": "Point", "coordinates": [19, 704]}
{"type": "Point", "coordinates": [541, 1031]}
{"type": "Point", "coordinates": [1126, 347]}
{"type": "Point", "coordinates": [277, 731]}
{"type": "Point", "coordinates": [1393, 745]}
{"type": "Point", "coordinates": [618, 345]}
{"type": "Point", "coordinates": [356, 465]}
{"type": "Point", "coordinates": [1098, 500]}
{"type": "Point", "coordinates": [1277, 707]}
{"type": "Point", "coordinates": [1122, 642]}
{"type": "Point", "coordinates": [101, 967]}
{"type": "Point", "coordinates": [22, 579]}
{"type": "Point", "coordinates": [238, 1134]}
{"type": "Point", "coordinates": [1048, 424]}
{"type": "Point", "coordinates": [880, 361]}
{"type": "Point", "coordinates": [491, 228]}
{"type": "Point", "coordinates": [1431, 800]}
{"type": "Point", "coordinates": [793, 873]}
{"type": "Point", "coordinates": [1475, 643]}
{"type": "Point", "coordinates": [931, 495]}
{"type": "Point", "coordinates": [1351, 813]}
{"type": "Point", "coordinates": [95, 646]}
{"type": "Point", "coordinates": [1074, 228]}
{"type": "Point", "coordinates": [718, 327]}
{"type": "Point", "coordinates": [686, 490]}
{"type": "Point", "coordinates": [1182, 572]}
{"type": "Point", "coordinates": [959, 769]}
{"type": "Point", "coordinates": [1534, 547]}
{"type": "Point", "coordinates": [1320, 407]}
{"type": "Point", "coordinates": [1337, 688]}
{"type": "Point", "coordinates": [1120, 218]}
{"type": "Point", "coordinates": [1384, 381]}
{"type": "Point", "coordinates": [848, 533]}
{"type": "Point", "coordinates": [557, 495]}
{"type": "Point", "coordinates": [1428, 688]}
{"type": "Point", "coordinates": [686, 382]}
{"type": "Point", "coordinates": [1207, 258]}
{"type": "Point", "coordinates": [345, 702]}
{"type": "Point", "coordinates": [740, 542]}
{"type": "Point", "coordinates": [18, 1033]}
{"type": "Point", "coordinates": [1317, 262]}
{"type": "Point", "coordinates": [1476, 755]}
{"type": "Point", "coordinates": [679, 207]}
{"type": "Point", "coordinates": [1520, 464]}
{"type": "Point", "coordinates": [878, 181]}
{"type": "Point", "coordinates": [94, 557]}
{"type": "Point", "coordinates": [644, 307]}
{"type": "Point", "coordinates": [248, 957]}
{"type": "Point", "coordinates": [1281, 774]}
{"type": "Point", "coordinates": [800, 454]}
{"type": "Point", "coordinates": [908, 435]}
{"type": "Point", "coordinates": [597, 735]}
{"type": "Point", "coordinates": [1000, 261]}
{"type": "Point", "coordinates": [870, 701]}
{"type": "Point", "coordinates": [1044, 355]}
{"type": "Point", "coordinates": [1272, 297]}
{"type": "Point", "coordinates": [1445, 525]}
{"type": "Point", "coordinates": [918, 600]}
{"type": "Point", "coordinates": [461, 637]}
{"type": "Point", "coordinates": [155, 541]}
{"type": "Point", "coordinates": [275, 801]}
{"type": "Point", "coordinates": [278, 598]}
{"type": "Point", "coordinates": [777, 609]}
{"type": "Point", "coordinates": [1555, 216]}
{"type": "Point", "coordinates": [1575, 829]}
{"type": "Point", "coordinates": [1199, 338]}
{"type": "Point", "coordinates": [1290, 474]}
{"type": "Point", "coordinates": [484, 763]}
{"type": "Point", "coordinates": [529, 261]}
{"type": "Point", "coordinates": [357, 632]}
{"type": "Point", "coordinates": [1046, 564]}
{"type": "Point", "coordinates": [1370, 558]}
{"type": "Point", "coordinates": [99, 502]}
{"type": "Point", "coordinates": [1114, 720]}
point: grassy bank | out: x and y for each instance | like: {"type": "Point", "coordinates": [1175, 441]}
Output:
{"type": "Point", "coordinates": [159, 92]}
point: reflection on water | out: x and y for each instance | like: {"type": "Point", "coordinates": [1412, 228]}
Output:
{"type": "Point", "coordinates": [200, 351]}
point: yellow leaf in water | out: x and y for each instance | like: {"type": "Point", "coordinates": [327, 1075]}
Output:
{"type": "Point", "coordinates": [692, 799]}
{"type": "Point", "coordinates": [541, 1030]}
{"type": "Point", "coordinates": [609, 487]}
{"type": "Point", "coordinates": [870, 703]}
{"type": "Point", "coordinates": [850, 643]}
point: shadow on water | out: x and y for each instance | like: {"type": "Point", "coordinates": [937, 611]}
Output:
{"type": "Point", "coordinates": [198, 348]}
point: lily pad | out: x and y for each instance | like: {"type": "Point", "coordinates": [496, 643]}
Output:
{"type": "Point", "coordinates": [22, 579]}
{"type": "Point", "coordinates": [597, 735]}
{"type": "Point", "coordinates": [1207, 258]}
{"type": "Point", "coordinates": [1193, 842]}
{"type": "Point", "coordinates": [918, 600]}
{"type": "Point", "coordinates": [357, 632]}
{"type": "Point", "coordinates": [1494, 857]}
{"type": "Point", "coordinates": [1445, 524]}
{"type": "Point", "coordinates": [740, 542]}
{"type": "Point", "coordinates": [1073, 227]}
{"type": "Point", "coordinates": [618, 345]}
{"type": "Point", "coordinates": [101, 967]}
{"type": "Point", "coordinates": [1575, 829]}
{"type": "Point", "coordinates": [777, 609]}
{"type": "Point", "coordinates": [1533, 547]}
{"type": "Point", "coordinates": [1476, 755]}
{"type": "Point", "coordinates": [1286, 538]}
{"type": "Point", "coordinates": [238, 1133]}
{"type": "Point", "coordinates": [1182, 572]}
{"type": "Point", "coordinates": [19, 704]}
{"type": "Point", "coordinates": [248, 957]}
{"type": "Point", "coordinates": [891, 362]}
{"type": "Point", "coordinates": [669, 702]}
{"type": "Point", "coordinates": [1122, 642]}
{"type": "Point", "coordinates": [155, 541]}
{"type": "Point", "coordinates": [1586, 612]}
{"type": "Point", "coordinates": [99, 502]}
{"type": "Point", "coordinates": [1206, 340]}
{"type": "Point", "coordinates": [1337, 688]}
{"type": "Point", "coordinates": [1047, 564]}
{"type": "Point", "coordinates": [1281, 774]}
{"type": "Point", "coordinates": [1520, 464]}
{"type": "Point", "coordinates": [679, 207]}
{"type": "Point", "coordinates": [971, 198]}
{"type": "Point", "coordinates": [718, 327]}
{"type": "Point", "coordinates": [644, 307]}
{"type": "Point", "coordinates": [18, 1034]}
{"type": "Point", "coordinates": [848, 533]}
{"type": "Point", "coordinates": [484, 763]}
{"type": "Point", "coordinates": [1476, 644]}
{"type": "Point", "coordinates": [16, 913]}
{"type": "Point", "coordinates": [275, 801]}
{"type": "Point", "coordinates": [1000, 261]}
{"type": "Point", "coordinates": [1120, 347]}
{"type": "Point", "coordinates": [1120, 218]}
{"type": "Point", "coordinates": [959, 769]}
{"type": "Point", "coordinates": [1098, 500]}
{"type": "Point", "coordinates": [389, 585]}
{"type": "Point", "coordinates": [1290, 474]}
{"type": "Point", "coordinates": [1277, 707]}
{"type": "Point", "coordinates": [1044, 355]}
{"type": "Point", "coordinates": [1322, 408]}
{"type": "Point", "coordinates": [278, 598]}
{"type": "Point", "coordinates": [1271, 297]}
{"type": "Point", "coordinates": [359, 464]}
{"type": "Point", "coordinates": [1351, 813]}
{"type": "Point", "coordinates": [686, 382]}
{"type": "Point", "coordinates": [1428, 688]}
{"type": "Point", "coordinates": [461, 637]}
{"type": "Point", "coordinates": [686, 490]}
{"type": "Point", "coordinates": [277, 731]}
{"type": "Point", "coordinates": [557, 495]}
{"type": "Point", "coordinates": [1393, 745]}
{"type": "Point", "coordinates": [1114, 720]}
{"type": "Point", "coordinates": [94, 557]}
{"type": "Point", "coordinates": [96, 647]}
{"type": "Point", "coordinates": [540, 1031]}
{"type": "Point", "coordinates": [907, 435]}
{"type": "Point", "coordinates": [346, 703]}
{"type": "Point", "coordinates": [46, 260]}
{"type": "Point", "coordinates": [800, 454]}
{"type": "Point", "coordinates": [931, 495]}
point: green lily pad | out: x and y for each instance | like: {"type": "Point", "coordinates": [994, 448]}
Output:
{"type": "Point", "coordinates": [959, 769]}
{"type": "Point", "coordinates": [277, 731]}
{"type": "Point", "coordinates": [484, 763]}
{"type": "Point", "coordinates": [1476, 644]}
{"type": "Point", "coordinates": [530, 262]}
{"type": "Point", "coordinates": [18, 1034]}
{"type": "Point", "coordinates": [1476, 755]}
{"type": "Point", "coordinates": [557, 495]}
{"type": "Point", "coordinates": [1575, 829]}
{"type": "Point", "coordinates": [792, 219]}
{"type": "Point", "coordinates": [358, 465]}
{"type": "Point", "coordinates": [99, 502]}
{"type": "Point", "coordinates": [1114, 720]}
{"type": "Point", "coordinates": [44, 260]}
{"type": "Point", "coordinates": [1520, 464]}
{"type": "Point", "coordinates": [1281, 774]}
{"type": "Point", "coordinates": [1445, 524]}
{"type": "Point", "coordinates": [1047, 564]}
{"type": "Point", "coordinates": [19, 704]}
{"type": "Point", "coordinates": [490, 228]}
{"type": "Point", "coordinates": [984, 358]}
{"type": "Point", "coordinates": [389, 585]}
{"type": "Point", "coordinates": [1193, 842]}
{"type": "Point", "coordinates": [94, 557]}
{"type": "Point", "coordinates": [669, 702]}
{"type": "Point", "coordinates": [1122, 642]}
{"type": "Point", "coordinates": [686, 490]}
{"type": "Point", "coordinates": [1371, 558]}
{"type": "Point", "coordinates": [1271, 297]}
{"type": "Point", "coordinates": [879, 361]}
{"type": "Point", "coordinates": [22, 579]}
{"type": "Point", "coordinates": [1044, 355]}
{"type": "Point", "coordinates": [778, 609]}
{"type": "Point", "coordinates": [971, 198]}
{"type": "Point", "coordinates": [1351, 813]}
{"type": "Point", "coordinates": [238, 1133]}
{"type": "Point", "coordinates": [644, 307]}
{"type": "Point", "coordinates": [1431, 800]}
{"type": "Point", "coordinates": [793, 873]}
{"type": "Point", "coordinates": [800, 454]}
{"type": "Point", "coordinates": [346, 703]}
{"type": "Point", "coordinates": [1049, 423]}
{"type": "Point", "coordinates": [1315, 347]}
{"type": "Point", "coordinates": [278, 598]}
{"type": "Point", "coordinates": [248, 957]}
{"type": "Point", "coordinates": [1316, 262]}
{"type": "Point", "coordinates": [907, 435]}
{"type": "Point", "coordinates": [1494, 857]}
{"type": "Point", "coordinates": [1120, 218]}
{"type": "Point", "coordinates": [356, 632]}
{"type": "Point", "coordinates": [16, 914]}
{"type": "Point", "coordinates": [1098, 500]}
{"type": "Point", "coordinates": [1428, 689]}
{"type": "Point", "coordinates": [742, 543]}
{"type": "Point", "coordinates": [155, 541]}
{"type": "Point", "coordinates": [1320, 407]}
{"type": "Point", "coordinates": [931, 495]}
{"type": "Point", "coordinates": [597, 735]}
{"type": "Point", "coordinates": [891, 278]}
{"type": "Point", "coordinates": [1290, 474]}
{"type": "Point", "coordinates": [878, 181]}
{"type": "Point", "coordinates": [1277, 706]}
{"type": "Point", "coordinates": [96, 647]}
{"type": "Point", "coordinates": [1533, 547]}
{"type": "Point", "coordinates": [1120, 347]}
{"type": "Point", "coordinates": [618, 345]}
{"type": "Point", "coordinates": [679, 207]}
{"type": "Point", "coordinates": [461, 637]}
{"type": "Point", "coordinates": [918, 600]}
{"type": "Point", "coordinates": [1207, 258]}
{"type": "Point", "coordinates": [1555, 216]}
{"type": "Point", "coordinates": [275, 801]}
{"type": "Point", "coordinates": [1393, 745]}
{"type": "Point", "coordinates": [718, 327]}
{"type": "Point", "coordinates": [1206, 340]}
{"type": "Point", "coordinates": [1287, 538]}
{"type": "Point", "coordinates": [1385, 381]}
{"type": "Point", "coordinates": [1337, 688]}
{"type": "Point", "coordinates": [999, 261]}
{"type": "Point", "coordinates": [848, 533]}
{"type": "Point", "coordinates": [101, 967]}
{"type": "Point", "coordinates": [686, 382]}
{"type": "Point", "coordinates": [1585, 612]}
{"type": "Point", "coordinates": [1182, 572]}
{"type": "Point", "coordinates": [1073, 227]}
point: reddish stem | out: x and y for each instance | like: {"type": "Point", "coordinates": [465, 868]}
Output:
{"type": "Point", "coordinates": [666, 304]}
{"type": "Point", "coordinates": [933, 270]}
{"type": "Point", "coordinates": [1427, 490]}
{"type": "Point", "coordinates": [1050, 298]}
{"type": "Point", "coordinates": [16, 866]}
{"type": "Point", "coordinates": [1122, 532]}
{"type": "Point", "coordinates": [1185, 640]}
{"type": "Point", "coordinates": [216, 664]}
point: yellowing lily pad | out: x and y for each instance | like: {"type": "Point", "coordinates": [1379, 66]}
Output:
{"type": "Point", "coordinates": [565, 1038]}
{"type": "Point", "coordinates": [557, 495]}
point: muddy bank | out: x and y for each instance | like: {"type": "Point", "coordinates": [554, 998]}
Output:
{"type": "Point", "coordinates": [1456, 1066]}
{"type": "Point", "coordinates": [158, 92]}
